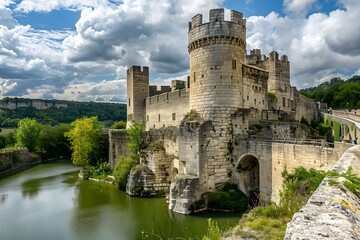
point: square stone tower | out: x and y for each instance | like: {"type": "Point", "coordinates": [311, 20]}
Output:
{"type": "Point", "coordinates": [137, 92]}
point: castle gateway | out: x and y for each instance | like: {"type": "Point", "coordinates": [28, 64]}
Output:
{"type": "Point", "coordinates": [218, 126]}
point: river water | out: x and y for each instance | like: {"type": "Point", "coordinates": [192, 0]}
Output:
{"type": "Point", "coordinates": [49, 201]}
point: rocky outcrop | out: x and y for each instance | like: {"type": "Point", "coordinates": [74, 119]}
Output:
{"type": "Point", "coordinates": [183, 192]}
{"type": "Point", "coordinates": [140, 182]}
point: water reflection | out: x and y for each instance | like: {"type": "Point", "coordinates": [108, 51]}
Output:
{"type": "Point", "coordinates": [50, 202]}
{"type": "Point", "coordinates": [3, 197]}
{"type": "Point", "coordinates": [31, 188]}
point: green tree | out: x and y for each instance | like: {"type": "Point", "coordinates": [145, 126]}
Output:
{"type": "Point", "coordinates": [136, 142]}
{"type": "Point", "coordinates": [119, 125]}
{"type": "Point", "coordinates": [27, 133]}
{"type": "Point", "coordinates": [52, 142]}
{"type": "Point", "coordinates": [85, 140]}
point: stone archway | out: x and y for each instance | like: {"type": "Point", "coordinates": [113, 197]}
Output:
{"type": "Point", "coordinates": [248, 171]}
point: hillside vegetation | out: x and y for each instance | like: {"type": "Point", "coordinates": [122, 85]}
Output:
{"type": "Point", "coordinates": [337, 93]}
{"type": "Point", "coordinates": [53, 115]}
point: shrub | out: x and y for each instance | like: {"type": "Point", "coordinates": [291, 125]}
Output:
{"type": "Point", "coordinates": [271, 95]}
{"type": "Point", "coordinates": [122, 170]}
{"type": "Point", "coordinates": [323, 129]}
{"type": "Point", "coordinates": [304, 121]}
{"type": "Point", "coordinates": [119, 125]}
{"type": "Point", "coordinates": [230, 201]}
{"type": "Point", "coordinates": [197, 205]}
{"type": "Point", "coordinates": [136, 143]}
{"type": "Point", "coordinates": [213, 232]}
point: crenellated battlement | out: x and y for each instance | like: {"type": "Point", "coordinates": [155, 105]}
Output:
{"type": "Point", "coordinates": [139, 70]}
{"type": "Point", "coordinates": [255, 57]}
{"type": "Point", "coordinates": [217, 15]}
{"type": "Point", "coordinates": [217, 30]}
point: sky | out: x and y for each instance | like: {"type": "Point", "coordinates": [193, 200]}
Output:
{"type": "Point", "coordinates": [80, 50]}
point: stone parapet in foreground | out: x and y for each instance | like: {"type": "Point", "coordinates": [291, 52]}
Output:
{"type": "Point", "coordinates": [333, 211]}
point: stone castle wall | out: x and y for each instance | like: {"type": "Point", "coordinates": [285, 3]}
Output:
{"type": "Point", "coordinates": [275, 157]}
{"type": "Point", "coordinates": [117, 146]}
{"type": "Point", "coordinates": [305, 107]}
{"type": "Point", "coordinates": [279, 76]}
{"type": "Point", "coordinates": [255, 87]}
{"type": "Point", "coordinates": [167, 109]}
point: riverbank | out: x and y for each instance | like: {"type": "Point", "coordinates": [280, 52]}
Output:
{"type": "Point", "coordinates": [14, 160]}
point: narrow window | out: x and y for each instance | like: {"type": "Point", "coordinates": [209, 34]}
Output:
{"type": "Point", "coordinates": [129, 102]}
{"type": "Point", "coordinates": [194, 77]}
{"type": "Point", "coordinates": [159, 117]}
{"type": "Point", "coordinates": [247, 98]}
{"type": "Point", "coordinates": [147, 117]}
{"type": "Point", "coordinates": [255, 102]}
{"type": "Point", "coordinates": [284, 101]}
{"type": "Point", "coordinates": [233, 64]}
{"type": "Point", "coordinates": [174, 116]}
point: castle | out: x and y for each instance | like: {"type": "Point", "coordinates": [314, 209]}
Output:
{"type": "Point", "coordinates": [205, 123]}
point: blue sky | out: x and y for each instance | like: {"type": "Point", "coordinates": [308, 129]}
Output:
{"type": "Point", "coordinates": [80, 50]}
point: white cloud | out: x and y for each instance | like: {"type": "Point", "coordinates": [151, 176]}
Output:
{"type": "Point", "coordinates": [136, 32]}
{"type": "Point", "coordinates": [6, 3]}
{"type": "Point", "coordinates": [48, 6]}
{"type": "Point", "coordinates": [110, 37]}
{"type": "Point", "coordinates": [298, 7]}
{"type": "Point", "coordinates": [5, 16]}
{"type": "Point", "coordinates": [318, 46]}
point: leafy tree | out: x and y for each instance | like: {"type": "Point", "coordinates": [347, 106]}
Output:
{"type": "Point", "coordinates": [119, 125]}
{"type": "Point", "coordinates": [136, 142]}
{"type": "Point", "coordinates": [27, 133]}
{"type": "Point", "coordinates": [52, 142]}
{"type": "Point", "coordinates": [337, 93]}
{"type": "Point", "coordinates": [85, 139]}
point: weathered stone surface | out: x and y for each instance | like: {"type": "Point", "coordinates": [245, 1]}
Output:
{"type": "Point", "coordinates": [333, 211]}
{"type": "Point", "coordinates": [183, 192]}
{"type": "Point", "coordinates": [140, 182]}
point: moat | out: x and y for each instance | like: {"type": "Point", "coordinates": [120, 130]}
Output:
{"type": "Point", "coordinates": [49, 201]}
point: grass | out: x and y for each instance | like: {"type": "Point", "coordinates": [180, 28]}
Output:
{"type": "Point", "coordinates": [269, 222]}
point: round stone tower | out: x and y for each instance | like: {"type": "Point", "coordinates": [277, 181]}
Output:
{"type": "Point", "coordinates": [217, 50]}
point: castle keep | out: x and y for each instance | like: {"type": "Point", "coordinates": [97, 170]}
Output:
{"type": "Point", "coordinates": [206, 124]}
